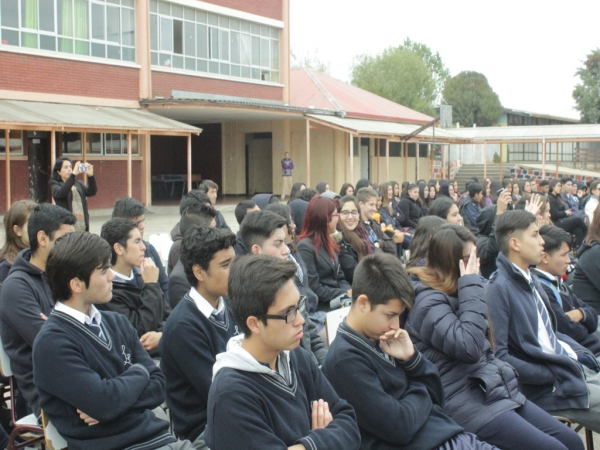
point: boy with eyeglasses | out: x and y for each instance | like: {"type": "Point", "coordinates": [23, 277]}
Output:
{"type": "Point", "coordinates": [266, 391]}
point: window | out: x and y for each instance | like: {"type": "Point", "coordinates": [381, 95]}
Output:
{"type": "Point", "coordinates": [16, 141]}
{"type": "Point", "coordinates": [100, 28]}
{"type": "Point", "coordinates": [110, 144]}
{"type": "Point", "coordinates": [69, 143]}
{"type": "Point", "coordinates": [187, 38]}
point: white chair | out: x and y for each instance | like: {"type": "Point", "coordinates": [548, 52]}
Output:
{"type": "Point", "coordinates": [332, 322]}
{"type": "Point", "coordinates": [162, 243]}
{"type": "Point", "coordinates": [54, 441]}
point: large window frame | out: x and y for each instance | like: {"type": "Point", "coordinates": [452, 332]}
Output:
{"type": "Point", "coordinates": [98, 144]}
{"type": "Point", "coordinates": [15, 138]}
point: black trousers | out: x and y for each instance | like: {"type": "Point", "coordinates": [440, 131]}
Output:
{"type": "Point", "coordinates": [574, 225]}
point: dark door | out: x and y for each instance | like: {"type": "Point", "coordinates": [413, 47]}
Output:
{"type": "Point", "coordinates": [38, 159]}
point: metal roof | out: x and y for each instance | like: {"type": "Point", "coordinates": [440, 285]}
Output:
{"type": "Point", "coordinates": [384, 128]}
{"type": "Point", "coordinates": [312, 89]}
{"type": "Point", "coordinates": [533, 133]}
{"type": "Point", "coordinates": [26, 115]}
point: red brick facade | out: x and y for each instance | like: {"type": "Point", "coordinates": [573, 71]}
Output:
{"type": "Point", "coordinates": [19, 182]}
{"type": "Point", "coordinates": [266, 8]}
{"type": "Point", "coordinates": [163, 83]}
{"type": "Point", "coordinates": [111, 178]}
{"type": "Point", "coordinates": [21, 72]}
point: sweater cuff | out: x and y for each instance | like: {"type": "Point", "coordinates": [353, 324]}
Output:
{"type": "Point", "coordinates": [413, 363]}
{"type": "Point", "coordinates": [140, 367]}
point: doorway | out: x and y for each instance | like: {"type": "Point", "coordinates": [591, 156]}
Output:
{"type": "Point", "coordinates": [259, 163]}
{"type": "Point", "coordinates": [364, 158]}
{"type": "Point", "coordinates": [37, 146]}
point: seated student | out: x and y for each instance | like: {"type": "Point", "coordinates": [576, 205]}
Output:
{"type": "Point", "coordinates": [573, 317]}
{"type": "Point", "coordinates": [471, 207]}
{"type": "Point", "coordinates": [96, 382]}
{"type": "Point", "coordinates": [550, 365]}
{"type": "Point", "coordinates": [367, 200]}
{"type": "Point", "coordinates": [586, 279]}
{"type": "Point", "coordinates": [197, 215]}
{"type": "Point", "coordinates": [136, 292]}
{"type": "Point", "coordinates": [263, 234]}
{"type": "Point", "coordinates": [420, 241]}
{"type": "Point", "coordinates": [198, 330]}
{"type": "Point", "coordinates": [410, 205]}
{"type": "Point", "coordinates": [244, 207]}
{"type": "Point", "coordinates": [25, 299]}
{"type": "Point", "coordinates": [266, 391]}
{"type": "Point", "coordinates": [211, 189]}
{"type": "Point", "coordinates": [396, 393]}
{"type": "Point", "coordinates": [130, 208]}
{"type": "Point", "coordinates": [448, 324]}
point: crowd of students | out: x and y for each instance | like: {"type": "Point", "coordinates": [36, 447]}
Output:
{"type": "Point", "coordinates": [473, 339]}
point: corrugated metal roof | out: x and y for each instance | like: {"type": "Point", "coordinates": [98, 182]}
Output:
{"type": "Point", "coordinates": [15, 113]}
{"type": "Point", "coordinates": [385, 128]}
{"type": "Point", "coordinates": [309, 88]}
{"type": "Point", "coordinates": [539, 132]}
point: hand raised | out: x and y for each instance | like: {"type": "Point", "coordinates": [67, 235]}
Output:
{"type": "Point", "coordinates": [149, 271]}
{"type": "Point", "coordinates": [472, 266]}
{"type": "Point", "coordinates": [503, 200]}
{"type": "Point", "coordinates": [534, 204]}
{"type": "Point", "coordinates": [320, 415]}
{"type": "Point", "coordinates": [397, 344]}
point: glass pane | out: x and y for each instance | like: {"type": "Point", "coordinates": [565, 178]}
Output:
{"type": "Point", "coordinates": [224, 69]}
{"type": "Point", "coordinates": [189, 38]}
{"type": "Point", "coordinates": [202, 41]}
{"type": "Point", "coordinates": [153, 32]}
{"type": "Point", "coordinates": [80, 17]}
{"type": "Point", "coordinates": [82, 48]}
{"type": "Point", "coordinates": [189, 14]}
{"type": "Point", "coordinates": [256, 74]}
{"type": "Point", "coordinates": [154, 58]}
{"type": "Point", "coordinates": [64, 17]}
{"type": "Point", "coordinates": [275, 33]}
{"type": "Point", "coordinates": [29, 40]}
{"type": "Point", "coordinates": [200, 16]}
{"type": "Point", "coordinates": [234, 24]}
{"type": "Point", "coordinates": [15, 138]}
{"type": "Point", "coordinates": [214, 43]}
{"type": "Point", "coordinates": [47, 42]}
{"type": "Point", "coordinates": [245, 26]}
{"type": "Point", "coordinates": [264, 75]}
{"type": "Point", "coordinates": [213, 19]}
{"type": "Point", "coordinates": [235, 71]}
{"type": "Point", "coordinates": [275, 55]}
{"type": "Point", "coordinates": [134, 144]}
{"type": "Point", "coordinates": [113, 1]}
{"type": "Point", "coordinates": [9, 12]}
{"type": "Point", "coordinates": [166, 34]}
{"type": "Point", "coordinates": [178, 37]}
{"type": "Point", "coordinates": [71, 143]}
{"type": "Point", "coordinates": [177, 11]}
{"type": "Point", "coordinates": [128, 24]}
{"type": "Point", "coordinates": [128, 3]}
{"type": "Point", "coordinates": [245, 49]}
{"type": "Point", "coordinates": [112, 144]}
{"type": "Point", "coordinates": [264, 53]}
{"type": "Point", "coordinates": [255, 51]}
{"type": "Point", "coordinates": [223, 22]}
{"type": "Point", "coordinates": [165, 60]}
{"type": "Point", "coordinates": [275, 77]}
{"type": "Point", "coordinates": [10, 37]}
{"type": "Point", "coordinates": [235, 47]}
{"type": "Point", "coordinates": [128, 54]}
{"type": "Point", "coordinates": [255, 28]}
{"type": "Point", "coordinates": [98, 50]}
{"type": "Point", "coordinates": [246, 72]}
{"type": "Point", "coordinates": [177, 62]}
{"type": "Point", "coordinates": [29, 14]}
{"type": "Point", "coordinates": [65, 45]}
{"type": "Point", "coordinates": [164, 8]}
{"type": "Point", "coordinates": [224, 45]}
{"type": "Point", "coordinates": [47, 15]}
{"type": "Point", "coordinates": [190, 64]}
{"type": "Point", "coordinates": [98, 22]}
{"type": "Point", "coordinates": [113, 24]}
{"type": "Point", "coordinates": [93, 143]}
{"type": "Point", "coordinates": [153, 6]}
{"type": "Point", "coordinates": [201, 65]}
{"type": "Point", "coordinates": [265, 31]}
{"type": "Point", "coordinates": [213, 67]}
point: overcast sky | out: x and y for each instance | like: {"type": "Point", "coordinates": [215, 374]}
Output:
{"type": "Point", "coordinates": [529, 50]}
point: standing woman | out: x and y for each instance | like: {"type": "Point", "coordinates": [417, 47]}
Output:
{"type": "Point", "coordinates": [15, 232]}
{"type": "Point", "coordinates": [70, 193]}
{"type": "Point", "coordinates": [563, 217]}
{"type": "Point", "coordinates": [449, 325]}
{"type": "Point", "coordinates": [320, 252]}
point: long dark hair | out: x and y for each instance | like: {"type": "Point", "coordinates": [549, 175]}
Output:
{"type": "Point", "coordinates": [441, 207]}
{"type": "Point", "coordinates": [386, 202]}
{"type": "Point", "coordinates": [344, 188]}
{"type": "Point", "coordinates": [316, 225]}
{"type": "Point", "coordinates": [297, 187]}
{"type": "Point", "coordinates": [552, 185]}
{"type": "Point", "coordinates": [444, 189]}
{"type": "Point", "coordinates": [358, 237]}
{"type": "Point", "coordinates": [420, 240]}
{"type": "Point", "coordinates": [58, 166]}
{"type": "Point", "coordinates": [17, 215]}
{"type": "Point", "coordinates": [443, 257]}
{"type": "Point", "coordinates": [593, 234]}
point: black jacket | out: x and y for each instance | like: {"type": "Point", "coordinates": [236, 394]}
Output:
{"type": "Point", "coordinates": [179, 285]}
{"type": "Point", "coordinates": [220, 221]}
{"type": "Point", "coordinates": [348, 256]}
{"type": "Point", "coordinates": [468, 203]}
{"type": "Point", "coordinates": [557, 208]}
{"type": "Point", "coordinates": [62, 195]}
{"type": "Point", "coordinates": [584, 331]}
{"type": "Point", "coordinates": [487, 247]}
{"type": "Point", "coordinates": [325, 277]}
{"type": "Point", "coordinates": [453, 333]}
{"type": "Point", "coordinates": [175, 250]}
{"type": "Point", "coordinates": [586, 279]}
{"type": "Point", "coordinates": [411, 210]}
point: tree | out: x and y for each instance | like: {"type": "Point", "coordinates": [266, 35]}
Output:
{"type": "Point", "coordinates": [311, 61]}
{"type": "Point", "coordinates": [473, 100]}
{"type": "Point", "coordinates": [587, 93]}
{"type": "Point", "coordinates": [410, 74]}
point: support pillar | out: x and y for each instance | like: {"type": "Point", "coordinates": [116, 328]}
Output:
{"type": "Point", "coordinates": [387, 160]}
{"type": "Point", "coordinates": [189, 162]}
{"type": "Point", "coordinates": [308, 153]}
{"type": "Point", "coordinates": [129, 188]}
{"type": "Point", "coordinates": [485, 160]}
{"type": "Point", "coordinates": [544, 158]}
{"type": "Point", "coordinates": [7, 166]}
{"type": "Point", "coordinates": [351, 179]}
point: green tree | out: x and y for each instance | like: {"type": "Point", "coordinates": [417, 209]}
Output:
{"type": "Point", "coordinates": [309, 60]}
{"type": "Point", "coordinates": [433, 61]}
{"type": "Point", "coordinates": [587, 93]}
{"type": "Point", "coordinates": [473, 100]}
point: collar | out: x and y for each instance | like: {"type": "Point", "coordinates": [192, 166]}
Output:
{"type": "Point", "coordinates": [205, 308]}
{"type": "Point", "coordinates": [94, 315]}
{"type": "Point", "coordinates": [527, 274]}
{"type": "Point", "coordinates": [123, 277]}
{"type": "Point", "coordinates": [547, 275]}
{"type": "Point", "coordinates": [344, 325]}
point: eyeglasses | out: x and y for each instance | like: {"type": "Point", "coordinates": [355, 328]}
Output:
{"type": "Point", "coordinates": [345, 214]}
{"type": "Point", "coordinates": [334, 215]}
{"type": "Point", "coordinates": [289, 317]}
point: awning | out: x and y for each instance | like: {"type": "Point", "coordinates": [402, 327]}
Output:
{"type": "Point", "coordinates": [16, 114]}
{"type": "Point", "coordinates": [380, 128]}
{"type": "Point", "coordinates": [550, 133]}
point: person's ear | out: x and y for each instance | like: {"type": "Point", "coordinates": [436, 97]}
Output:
{"type": "Point", "coordinates": [199, 272]}
{"type": "Point", "coordinates": [363, 303]}
{"type": "Point", "coordinates": [253, 323]}
{"type": "Point", "coordinates": [76, 285]}
{"type": "Point", "coordinates": [256, 250]}
{"type": "Point", "coordinates": [118, 248]}
{"type": "Point", "coordinates": [515, 244]}
{"type": "Point", "coordinates": [43, 239]}
{"type": "Point", "coordinates": [18, 230]}
{"type": "Point", "coordinates": [545, 257]}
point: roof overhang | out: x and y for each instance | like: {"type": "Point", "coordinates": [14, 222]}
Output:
{"type": "Point", "coordinates": [40, 116]}
{"type": "Point", "coordinates": [536, 133]}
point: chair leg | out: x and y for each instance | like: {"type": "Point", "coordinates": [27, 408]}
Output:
{"type": "Point", "coordinates": [589, 439]}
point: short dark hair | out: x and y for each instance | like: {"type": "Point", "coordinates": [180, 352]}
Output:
{"type": "Point", "coordinates": [199, 247]}
{"type": "Point", "coordinates": [544, 183]}
{"type": "Point", "coordinates": [128, 208]}
{"type": "Point", "coordinates": [381, 277]}
{"type": "Point", "coordinates": [474, 189]}
{"type": "Point", "coordinates": [254, 281]}
{"type": "Point", "coordinates": [196, 215]}
{"type": "Point", "coordinates": [47, 218]}
{"type": "Point", "coordinates": [75, 255]}
{"type": "Point", "coordinates": [258, 226]}
{"type": "Point", "coordinates": [208, 184]}
{"type": "Point", "coordinates": [594, 185]}
{"type": "Point", "coordinates": [554, 238]}
{"type": "Point", "coordinates": [565, 180]}
{"type": "Point", "coordinates": [193, 197]}
{"type": "Point", "coordinates": [441, 207]}
{"type": "Point", "coordinates": [281, 210]}
{"type": "Point", "coordinates": [306, 194]}
{"type": "Point", "coordinates": [117, 231]}
{"type": "Point", "coordinates": [508, 224]}
{"type": "Point", "coordinates": [242, 209]}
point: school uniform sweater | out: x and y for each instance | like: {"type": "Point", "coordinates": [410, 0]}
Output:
{"type": "Point", "coordinates": [252, 407]}
{"type": "Point", "coordinates": [115, 382]}
{"type": "Point", "coordinates": [188, 347]}
{"type": "Point", "coordinates": [399, 405]}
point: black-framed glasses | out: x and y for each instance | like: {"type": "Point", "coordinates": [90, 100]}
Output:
{"type": "Point", "coordinates": [289, 317]}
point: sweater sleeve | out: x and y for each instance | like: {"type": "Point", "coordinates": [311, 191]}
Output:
{"type": "Point", "coordinates": [499, 312]}
{"type": "Point", "coordinates": [472, 213]}
{"type": "Point", "coordinates": [590, 316]}
{"type": "Point", "coordinates": [91, 189]}
{"type": "Point", "coordinates": [60, 191]}
{"type": "Point", "coordinates": [348, 262]}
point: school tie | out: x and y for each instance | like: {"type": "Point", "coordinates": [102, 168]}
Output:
{"type": "Point", "coordinates": [218, 316]}
{"type": "Point", "coordinates": [558, 348]}
{"type": "Point", "coordinates": [95, 328]}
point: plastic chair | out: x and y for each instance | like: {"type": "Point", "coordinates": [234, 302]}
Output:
{"type": "Point", "coordinates": [332, 322]}
{"type": "Point", "coordinates": [53, 439]}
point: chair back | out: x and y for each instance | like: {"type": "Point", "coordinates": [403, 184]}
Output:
{"type": "Point", "coordinates": [5, 369]}
{"type": "Point", "coordinates": [332, 322]}
{"type": "Point", "coordinates": [54, 441]}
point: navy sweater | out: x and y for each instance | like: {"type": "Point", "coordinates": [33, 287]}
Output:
{"type": "Point", "coordinates": [188, 348]}
{"type": "Point", "coordinates": [25, 294]}
{"type": "Point", "coordinates": [399, 405]}
{"type": "Point", "coordinates": [253, 411]}
{"type": "Point", "coordinates": [116, 383]}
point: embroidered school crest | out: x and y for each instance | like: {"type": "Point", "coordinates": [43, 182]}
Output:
{"type": "Point", "coordinates": [126, 356]}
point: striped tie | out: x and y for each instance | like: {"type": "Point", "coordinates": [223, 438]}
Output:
{"type": "Point", "coordinates": [95, 328]}
{"type": "Point", "coordinates": [558, 348]}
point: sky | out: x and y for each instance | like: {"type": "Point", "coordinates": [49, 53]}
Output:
{"type": "Point", "coordinates": [529, 50]}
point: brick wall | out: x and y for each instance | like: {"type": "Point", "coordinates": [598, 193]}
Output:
{"type": "Point", "coordinates": [20, 72]}
{"type": "Point", "coordinates": [163, 83]}
{"type": "Point", "coordinates": [266, 8]}
{"type": "Point", "coordinates": [19, 183]}
{"type": "Point", "coordinates": [111, 178]}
